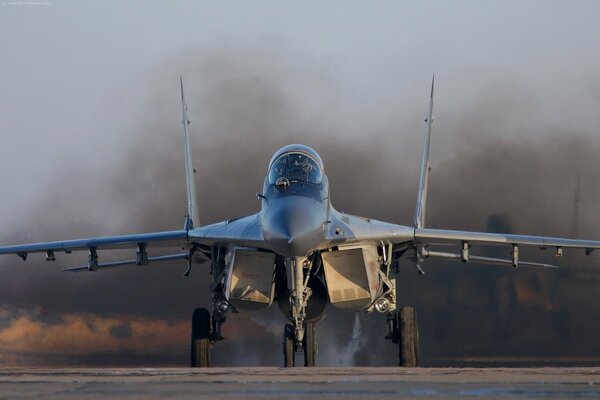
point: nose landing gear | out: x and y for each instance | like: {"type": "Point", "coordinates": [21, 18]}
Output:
{"type": "Point", "coordinates": [305, 309]}
{"type": "Point", "coordinates": [308, 346]}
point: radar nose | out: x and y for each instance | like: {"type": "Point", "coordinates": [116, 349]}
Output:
{"type": "Point", "coordinates": [293, 229]}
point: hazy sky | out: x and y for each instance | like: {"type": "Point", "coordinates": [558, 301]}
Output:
{"type": "Point", "coordinates": [92, 145]}
{"type": "Point", "coordinates": [65, 65]}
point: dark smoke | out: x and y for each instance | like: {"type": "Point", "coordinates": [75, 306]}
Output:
{"type": "Point", "coordinates": [243, 108]}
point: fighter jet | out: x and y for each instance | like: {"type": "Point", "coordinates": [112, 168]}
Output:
{"type": "Point", "coordinates": [301, 252]}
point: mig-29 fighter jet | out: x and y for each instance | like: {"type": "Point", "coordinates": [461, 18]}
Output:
{"type": "Point", "coordinates": [302, 253]}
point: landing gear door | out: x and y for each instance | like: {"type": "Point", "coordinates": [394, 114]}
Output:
{"type": "Point", "coordinates": [351, 275]}
{"type": "Point", "coordinates": [250, 278]}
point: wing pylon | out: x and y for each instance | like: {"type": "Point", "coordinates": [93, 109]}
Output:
{"type": "Point", "coordinates": [129, 263]}
{"type": "Point", "coordinates": [515, 262]}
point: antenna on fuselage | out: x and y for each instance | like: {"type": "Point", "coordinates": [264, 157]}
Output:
{"type": "Point", "coordinates": [192, 219]}
{"type": "Point", "coordinates": [425, 168]}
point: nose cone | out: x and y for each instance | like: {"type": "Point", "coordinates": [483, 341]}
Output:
{"type": "Point", "coordinates": [294, 226]}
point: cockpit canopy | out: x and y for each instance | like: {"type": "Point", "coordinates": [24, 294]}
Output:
{"type": "Point", "coordinates": [295, 166]}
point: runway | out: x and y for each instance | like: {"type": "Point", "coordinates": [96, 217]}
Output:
{"type": "Point", "coordinates": [300, 383]}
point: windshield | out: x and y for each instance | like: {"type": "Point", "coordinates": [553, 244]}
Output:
{"type": "Point", "coordinates": [295, 167]}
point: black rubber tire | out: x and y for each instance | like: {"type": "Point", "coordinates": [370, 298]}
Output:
{"type": "Point", "coordinates": [289, 347]}
{"type": "Point", "coordinates": [408, 325]}
{"type": "Point", "coordinates": [310, 345]}
{"type": "Point", "coordinates": [200, 349]}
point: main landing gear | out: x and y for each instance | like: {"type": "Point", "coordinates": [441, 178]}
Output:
{"type": "Point", "coordinates": [301, 295]}
{"type": "Point", "coordinates": [403, 329]}
{"type": "Point", "coordinates": [206, 329]}
{"type": "Point", "coordinates": [200, 354]}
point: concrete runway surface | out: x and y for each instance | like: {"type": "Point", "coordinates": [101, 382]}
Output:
{"type": "Point", "coordinates": [300, 383]}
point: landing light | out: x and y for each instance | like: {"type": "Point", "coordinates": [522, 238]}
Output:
{"type": "Point", "coordinates": [382, 305]}
{"type": "Point", "coordinates": [222, 306]}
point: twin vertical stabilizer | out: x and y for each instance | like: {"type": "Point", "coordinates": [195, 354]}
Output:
{"type": "Point", "coordinates": [425, 168]}
{"type": "Point", "coordinates": [192, 219]}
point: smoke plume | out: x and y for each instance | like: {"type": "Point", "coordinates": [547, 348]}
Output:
{"type": "Point", "coordinates": [493, 169]}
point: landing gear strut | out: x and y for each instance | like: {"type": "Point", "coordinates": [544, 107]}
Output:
{"type": "Point", "coordinates": [206, 330]}
{"type": "Point", "coordinates": [299, 292]}
{"type": "Point", "coordinates": [299, 334]}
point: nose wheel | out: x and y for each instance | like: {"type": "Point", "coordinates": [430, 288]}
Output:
{"type": "Point", "coordinates": [289, 346]}
{"type": "Point", "coordinates": [308, 347]}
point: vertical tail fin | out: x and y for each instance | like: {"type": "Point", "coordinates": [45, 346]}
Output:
{"type": "Point", "coordinates": [192, 218]}
{"type": "Point", "coordinates": [424, 179]}
{"type": "Point", "coordinates": [576, 201]}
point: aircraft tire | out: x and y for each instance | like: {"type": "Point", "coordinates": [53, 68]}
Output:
{"type": "Point", "coordinates": [289, 347]}
{"type": "Point", "coordinates": [200, 351]}
{"type": "Point", "coordinates": [409, 337]}
{"type": "Point", "coordinates": [310, 345]}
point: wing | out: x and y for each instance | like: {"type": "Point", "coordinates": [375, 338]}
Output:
{"type": "Point", "coordinates": [441, 236]}
{"type": "Point", "coordinates": [426, 237]}
{"type": "Point", "coordinates": [242, 232]}
{"type": "Point", "coordinates": [158, 239]}
{"type": "Point", "coordinates": [350, 229]}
